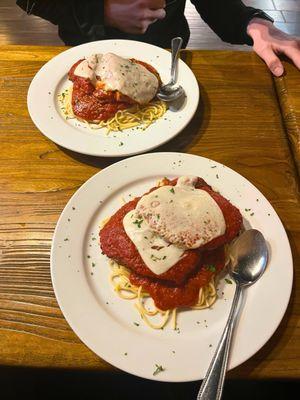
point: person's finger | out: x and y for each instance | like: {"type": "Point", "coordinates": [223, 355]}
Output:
{"type": "Point", "coordinates": [272, 61]}
{"type": "Point", "coordinates": [156, 14]}
{"type": "Point", "coordinates": [292, 51]}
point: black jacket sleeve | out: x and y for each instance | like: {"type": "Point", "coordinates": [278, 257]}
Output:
{"type": "Point", "coordinates": [85, 16]}
{"type": "Point", "coordinates": [227, 18]}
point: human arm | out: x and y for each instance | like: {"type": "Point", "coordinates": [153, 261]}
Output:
{"type": "Point", "coordinates": [268, 42]}
{"type": "Point", "coordinates": [87, 17]}
{"type": "Point", "coordinates": [90, 17]}
{"type": "Point", "coordinates": [238, 24]}
{"type": "Point", "coordinates": [227, 18]}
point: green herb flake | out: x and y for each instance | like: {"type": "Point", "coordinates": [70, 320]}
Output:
{"type": "Point", "coordinates": [66, 239]}
{"type": "Point", "coordinates": [138, 222]}
{"type": "Point", "coordinates": [154, 258]}
{"type": "Point", "coordinates": [158, 369]}
{"type": "Point", "coordinates": [136, 324]}
{"type": "Point", "coordinates": [93, 264]}
{"type": "Point", "coordinates": [211, 268]}
{"type": "Point", "coordinates": [172, 190]}
{"type": "Point", "coordinates": [228, 281]}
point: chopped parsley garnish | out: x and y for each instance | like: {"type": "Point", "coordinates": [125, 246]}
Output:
{"type": "Point", "coordinates": [172, 190]}
{"type": "Point", "coordinates": [228, 281]}
{"type": "Point", "coordinates": [211, 268]}
{"type": "Point", "coordinates": [138, 222]}
{"type": "Point", "coordinates": [93, 264]}
{"type": "Point", "coordinates": [154, 258]}
{"type": "Point", "coordinates": [158, 369]}
{"type": "Point", "coordinates": [136, 324]}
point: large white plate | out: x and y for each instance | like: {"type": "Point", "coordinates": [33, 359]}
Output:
{"type": "Point", "coordinates": [105, 323]}
{"type": "Point", "coordinates": [52, 79]}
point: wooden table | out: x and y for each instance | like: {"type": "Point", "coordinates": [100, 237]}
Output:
{"type": "Point", "coordinates": [288, 91]}
{"type": "Point", "coordinates": [238, 123]}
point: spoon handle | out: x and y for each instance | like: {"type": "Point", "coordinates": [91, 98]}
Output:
{"type": "Point", "coordinates": [176, 46]}
{"type": "Point", "coordinates": [212, 385]}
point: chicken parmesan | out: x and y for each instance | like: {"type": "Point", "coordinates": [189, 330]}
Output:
{"type": "Point", "coordinates": [169, 244]}
{"type": "Point", "coordinates": [109, 90]}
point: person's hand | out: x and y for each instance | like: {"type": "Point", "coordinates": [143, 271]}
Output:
{"type": "Point", "coordinates": [269, 41]}
{"type": "Point", "coordinates": [133, 16]}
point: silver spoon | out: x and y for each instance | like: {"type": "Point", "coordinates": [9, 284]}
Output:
{"type": "Point", "coordinates": [171, 91]}
{"type": "Point", "coordinates": [248, 259]}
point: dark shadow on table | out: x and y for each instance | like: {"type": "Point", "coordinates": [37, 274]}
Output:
{"type": "Point", "coordinates": [37, 384]}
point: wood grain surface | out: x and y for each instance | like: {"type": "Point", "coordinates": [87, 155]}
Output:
{"type": "Point", "coordinates": [238, 123]}
{"type": "Point", "coordinates": [288, 91]}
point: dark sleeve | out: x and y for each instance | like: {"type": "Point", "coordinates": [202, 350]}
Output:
{"type": "Point", "coordinates": [227, 18]}
{"type": "Point", "coordinates": [82, 16]}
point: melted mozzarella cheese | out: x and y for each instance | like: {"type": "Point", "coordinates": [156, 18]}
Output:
{"type": "Point", "coordinates": [182, 214]}
{"type": "Point", "coordinates": [86, 69]}
{"type": "Point", "coordinates": [170, 220]}
{"type": "Point", "coordinates": [157, 254]}
{"type": "Point", "coordinates": [117, 73]}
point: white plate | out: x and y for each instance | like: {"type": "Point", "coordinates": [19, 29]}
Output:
{"type": "Point", "coordinates": [52, 79]}
{"type": "Point", "coordinates": [105, 323]}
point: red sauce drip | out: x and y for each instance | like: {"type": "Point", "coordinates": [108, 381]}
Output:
{"type": "Point", "coordinates": [167, 296]}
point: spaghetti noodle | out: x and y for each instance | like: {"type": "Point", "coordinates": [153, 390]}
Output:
{"type": "Point", "coordinates": [136, 116]}
{"type": "Point", "coordinates": [120, 281]}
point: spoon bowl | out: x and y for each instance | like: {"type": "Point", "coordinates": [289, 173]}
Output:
{"type": "Point", "coordinates": [172, 91]}
{"type": "Point", "coordinates": [248, 257]}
